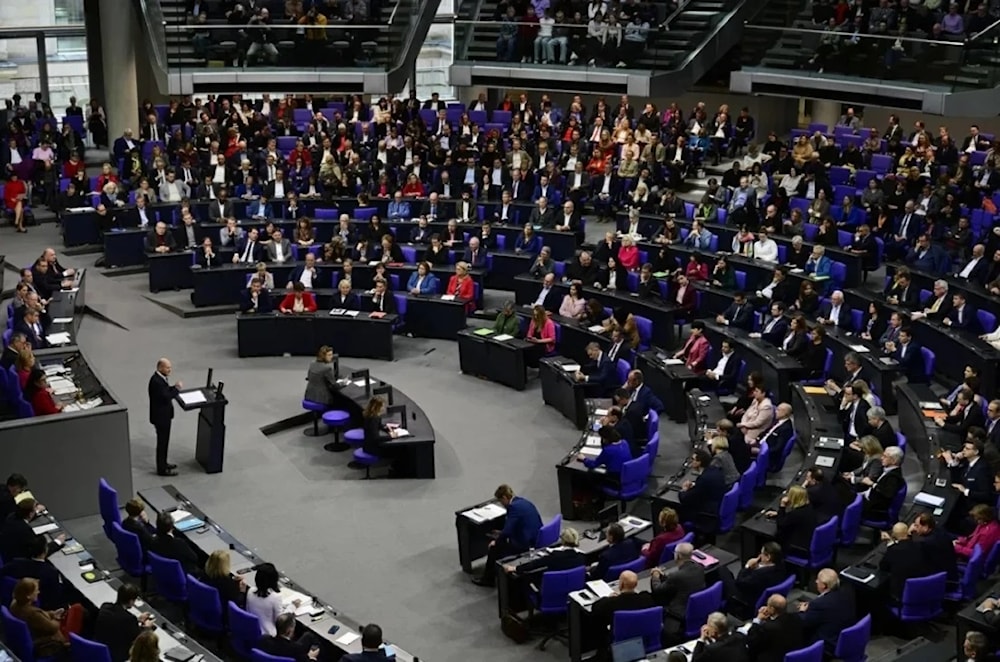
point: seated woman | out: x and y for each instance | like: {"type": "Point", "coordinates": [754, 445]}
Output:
{"type": "Point", "coordinates": [986, 534]}
{"type": "Point", "coordinates": [305, 235]}
{"type": "Point", "coordinates": [298, 300]}
{"type": "Point", "coordinates": [594, 313]}
{"type": "Point", "coordinates": [24, 364]}
{"type": "Point", "coordinates": [813, 357]}
{"type": "Point", "coordinates": [389, 251]}
{"type": "Point", "coordinates": [461, 286]}
{"type": "Point", "coordinates": [264, 599]}
{"type": "Point", "coordinates": [865, 476]}
{"type": "Point", "coordinates": [422, 281]}
{"type": "Point", "coordinates": [719, 447]}
{"type": "Point", "coordinates": [542, 334]}
{"type": "Point", "coordinates": [48, 635]}
{"type": "Point", "coordinates": [796, 519]}
{"type": "Point", "coordinates": [615, 452]}
{"type": "Point", "coordinates": [266, 277]}
{"type": "Point", "coordinates": [671, 530]}
{"type": "Point", "coordinates": [573, 305]}
{"type": "Point", "coordinates": [37, 393]}
{"type": "Point", "coordinates": [807, 301]}
{"type": "Point", "coordinates": [628, 254]}
{"type": "Point", "coordinates": [377, 433]}
{"type": "Point", "coordinates": [219, 577]}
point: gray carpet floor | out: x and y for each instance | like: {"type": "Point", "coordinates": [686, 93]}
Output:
{"type": "Point", "coordinates": [382, 551]}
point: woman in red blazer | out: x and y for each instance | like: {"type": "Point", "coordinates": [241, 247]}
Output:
{"type": "Point", "coordinates": [628, 254]}
{"type": "Point", "coordinates": [298, 300]}
{"type": "Point", "coordinates": [695, 270]}
{"type": "Point", "coordinates": [37, 393]}
{"type": "Point", "coordinates": [683, 294]}
{"type": "Point", "coordinates": [541, 333]}
{"type": "Point", "coordinates": [461, 287]}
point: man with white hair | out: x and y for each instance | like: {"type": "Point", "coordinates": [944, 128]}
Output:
{"type": "Point", "coordinates": [880, 493]}
{"type": "Point", "coordinates": [835, 312]}
{"type": "Point", "coordinates": [717, 643]}
{"type": "Point", "coordinates": [825, 616]}
{"type": "Point", "coordinates": [673, 589]}
{"type": "Point", "coordinates": [937, 305]}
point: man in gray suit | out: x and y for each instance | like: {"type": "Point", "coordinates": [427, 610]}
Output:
{"type": "Point", "coordinates": [673, 588]}
{"type": "Point", "coordinates": [221, 208]}
{"type": "Point", "coordinates": [173, 189]}
{"type": "Point", "coordinates": [321, 380]}
{"type": "Point", "coordinates": [280, 249]}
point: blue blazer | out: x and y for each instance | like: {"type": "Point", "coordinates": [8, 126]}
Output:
{"type": "Point", "coordinates": [702, 242]}
{"type": "Point", "coordinates": [623, 552]}
{"type": "Point", "coordinates": [523, 523]}
{"type": "Point", "coordinates": [777, 333]}
{"type": "Point", "coordinates": [253, 210]}
{"type": "Point", "coordinates": [912, 364]}
{"type": "Point", "coordinates": [532, 247]}
{"type": "Point", "coordinates": [429, 286]}
{"type": "Point", "coordinates": [602, 373]}
{"type": "Point", "coordinates": [647, 400]}
{"type": "Point", "coordinates": [934, 260]}
{"type": "Point", "coordinates": [828, 615]}
{"type": "Point", "coordinates": [612, 457]}
{"type": "Point", "coordinates": [821, 267]}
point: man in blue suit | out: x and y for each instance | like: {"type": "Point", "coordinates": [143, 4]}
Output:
{"type": "Point", "coordinates": [776, 326]}
{"type": "Point", "coordinates": [599, 374]}
{"type": "Point", "coordinates": [961, 316]}
{"type": "Point", "coordinates": [911, 360]}
{"type": "Point", "coordinates": [739, 314]}
{"type": "Point", "coordinates": [704, 495]}
{"type": "Point", "coordinates": [818, 264]}
{"type": "Point", "coordinates": [398, 209]}
{"type": "Point", "coordinates": [475, 254]}
{"type": "Point", "coordinates": [828, 614]}
{"type": "Point", "coordinates": [620, 550]}
{"type": "Point", "coordinates": [518, 535]}
{"type": "Point", "coordinates": [640, 395]}
{"type": "Point", "coordinates": [928, 257]}
{"type": "Point", "coordinates": [907, 229]}
{"type": "Point", "coordinates": [260, 209]}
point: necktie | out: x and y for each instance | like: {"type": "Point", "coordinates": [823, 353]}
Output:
{"type": "Point", "coordinates": [906, 224]}
{"type": "Point", "coordinates": [474, 256]}
{"type": "Point", "coordinates": [246, 252]}
{"type": "Point", "coordinates": [155, 134]}
{"type": "Point", "coordinates": [736, 314]}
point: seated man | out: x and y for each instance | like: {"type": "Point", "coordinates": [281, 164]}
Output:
{"type": "Point", "coordinates": [701, 498]}
{"type": "Point", "coordinates": [827, 615]}
{"type": "Point", "coordinates": [116, 627]}
{"type": "Point", "coordinates": [159, 240]}
{"type": "Point", "coordinates": [903, 559]}
{"type": "Point", "coordinates": [760, 573]}
{"type": "Point", "coordinates": [970, 474]}
{"type": "Point", "coordinates": [672, 589]}
{"type": "Point", "coordinates": [620, 550]}
{"type": "Point", "coordinates": [723, 374]}
{"type": "Point", "coordinates": [283, 644]}
{"type": "Point", "coordinates": [835, 312]}
{"type": "Point", "coordinates": [775, 632]}
{"type": "Point", "coordinates": [718, 643]}
{"type": "Point", "coordinates": [255, 300]}
{"type": "Point", "coordinates": [625, 599]}
{"type": "Point", "coordinates": [878, 498]}
{"type": "Point", "coordinates": [169, 545]}
{"type": "Point", "coordinates": [599, 374]}
{"type": "Point", "coordinates": [739, 314]}
{"type": "Point", "coordinates": [935, 544]}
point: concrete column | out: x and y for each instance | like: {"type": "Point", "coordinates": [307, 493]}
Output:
{"type": "Point", "coordinates": [827, 112]}
{"type": "Point", "coordinates": [118, 37]}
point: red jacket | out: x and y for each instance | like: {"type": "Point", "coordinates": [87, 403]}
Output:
{"type": "Point", "coordinates": [984, 535]}
{"type": "Point", "coordinates": [688, 301]}
{"type": "Point", "coordinates": [656, 545]}
{"type": "Point", "coordinates": [628, 257]}
{"type": "Point", "coordinates": [548, 330]}
{"type": "Point", "coordinates": [308, 302]}
{"type": "Point", "coordinates": [696, 354]}
{"type": "Point", "coordinates": [43, 403]}
{"type": "Point", "coordinates": [466, 290]}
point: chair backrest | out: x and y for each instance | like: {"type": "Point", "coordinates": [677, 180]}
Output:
{"type": "Point", "coordinates": [763, 462]}
{"type": "Point", "coordinates": [852, 642]}
{"type": "Point", "coordinates": [107, 502]}
{"type": "Point", "coordinates": [652, 424]}
{"type": "Point", "coordinates": [901, 441]}
{"type": "Point", "coordinates": [824, 541]}
{"type": "Point", "coordinates": [636, 565]}
{"type": "Point", "coordinates": [17, 636]}
{"type": "Point", "coordinates": [667, 554]}
{"type": "Point", "coordinates": [257, 655]}
{"type": "Point", "coordinates": [645, 623]}
{"type": "Point", "coordinates": [652, 447]}
{"type": "Point", "coordinates": [556, 587]}
{"type": "Point", "coordinates": [813, 653]}
{"type": "Point", "coordinates": [851, 525]}
{"type": "Point", "coordinates": [699, 606]}
{"type": "Point", "coordinates": [549, 533]}
{"type": "Point", "coordinates": [748, 481]}
{"type": "Point", "coordinates": [727, 509]}
{"type": "Point", "coordinates": [645, 328]}
{"type": "Point", "coordinates": [992, 558]}
{"type": "Point", "coordinates": [928, 355]}
{"type": "Point", "coordinates": [897, 504]}
{"type": "Point", "coordinates": [7, 585]}
{"type": "Point", "coordinates": [987, 320]}
{"type": "Point", "coordinates": [204, 605]}
{"type": "Point", "coordinates": [778, 589]}
{"type": "Point", "coordinates": [129, 549]}
{"type": "Point", "coordinates": [634, 476]}
{"type": "Point", "coordinates": [169, 577]}
{"type": "Point", "coordinates": [85, 650]}
{"type": "Point", "coordinates": [972, 573]}
{"type": "Point", "coordinates": [244, 630]}
{"type": "Point", "coordinates": [923, 597]}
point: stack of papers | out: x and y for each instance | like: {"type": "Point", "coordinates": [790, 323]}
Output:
{"type": "Point", "coordinates": [600, 412]}
{"type": "Point", "coordinates": [571, 367]}
{"type": "Point", "coordinates": [58, 338]}
{"type": "Point", "coordinates": [83, 406]}
{"type": "Point", "coordinates": [62, 386]}
{"type": "Point", "coordinates": [401, 432]}
{"type": "Point", "coordinates": [447, 297]}
{"type": "Point", "coordinates": [859, 348]}
{"type": "Point", "coordinates": [351, 313]}
{"type": "Point", "coordinates": [631, 522]}
{"type": "Point", "coordinates": [931, 500]}
{"type": "Point", "coordinates": [600, 588]}
{"type": "Point", "coordinates": [590, 451]}
{"type": "Point", "coordinates": [593, 441]}
{"type": "Point", "coordinates": [192, 397]}
{"type": "Point", "coordinates": [597, 328]}
{"type": "Point", "coordinates": [44, 528]}
{"type": "Point", "coordinates": [487, 512]}
{"type": "Point", "coordinates": [503, 336]}
{"type": "Point", "coordinates": [289, 596]}
{"type": "Point", "coordinates": [54, 369]}
{"type": "Point", "coordinates": [930, 405]}
{"type": "Point", "coordinates": [62, 320]}
{"type": "Point", "coordinates": [348, 638]}
{"type": "Point", "coordinates": [338, 311]}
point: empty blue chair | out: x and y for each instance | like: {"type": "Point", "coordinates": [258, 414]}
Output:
{"type": "Point", "coordinates": [901, 441]}
{"type": "Point", "coordinates": [257, 655]}
{"type": "Point", "coordinates": [763, 462]}
{"type": "Point", "coordinates": [18, 637]}
{"type": "Point", "coordinates": [748, 481]}
{"type": "Point", "coordinates": [813, 653]}
{"type": "Point", "coordinates": [778, 589]}
{"type": "Point", "coordinates": [335, 420]}
{"type": "Point", "coordinates": [204, 606]}
{"type": "Point", "coordinates": [853, 641]}
{"type": "Point", "coordinates": [727, 509]}
{"type": "Point", "coordinates": [741, 279]}
{"type": "Point", "coordinates": [107, 503]}
{"type": "Point", "coordinates": [970, 575]}
{"type": "Point", "coordinates": [652, 447]}
{"type": "Point", "coordinates": [652, 424]}
{"type": "Point", "coordinates": [130, 554]}
{"type": "Point", "coordinates": [85, 650]}
{"type": "Point", "coordinates": [923, 599]}
{"type": "Point", "coordinates": [667, 554]}
{"type": "Point", "coordinates": [365, 460]}
{"type": "Point", "coordinates": [699, 606]}
{"type": "Point", "coordinates": [928, 361]}
{"type": "Point", "coordinates": [354, 437]}
{"type": "Point", "coordinates": [851, 525]}
{"type": "Point", "coordinates": [7, 585]}
{"type": "Point", "coordinates": [244, 630]}
{"type": "Point", "coordinates": [992, 559]}
{"type": "Point", "coordinates": [169, 577]}
{"type": "Point", "coordinates": [552, 598]}
{"type": "Point", "coordinates": [549, 533]}
{"type": "Point", "coordinates": [621, 369]}
{"type": "Point", "coordinates": [634, 476]}
{"type": "Point", "coordinates": [987, 320]}
{"type": "Point", "coordinates": [645, 623]}
{"type": "Point", "coordinates": [821, 548]}
{"type": "Point", "coordinates": [317, 409]}
{"type": "Point", "coordinates": [636, 565]}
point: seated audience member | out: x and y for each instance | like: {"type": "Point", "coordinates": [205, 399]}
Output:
{"type": "Point", "coordinates": [37, 393]}
{"type": "Point", "coordinates": [422, 281]}
{"type": "Point", "coordinates": [564, 557]}
{"type": "Point", "coordinates": [371, 645]}
{"type": "Point", "coordinates": [986, 534]}
{"type": "Point", "coordinates": [255, 299]}
{"type": "Point", "coordinates": [723, 374]}
{"type": "Point", "coordinates": [345, 298]}
{"type": "Point", "coordinates": [298, 301]}
{"type": "Point", "coordinates": [46, 627]}
{"type": "Point", "coordinates": [507, 321]}
{"type": "Point", "coordinates": [461, 286]}
{"type": "Point", "coordinates": [168, 545]}
{"type": "Point", "coordinates": [825, 616]}
{"type": "Point", "coordinates": [615, 452]}
{"type": "Point", "coordinates": [218, 576]}
{"type": "Point", "coordinates": [117, 627]}
{"type": "Point", "coordinates": [24, 365]}
{"type": "Point", "coordinates": [976, 646]}
{"type": "Point", "coordinates": [719, 447]}
{"type": "Point", "coordinates": [599, 374]}
{"type": "Point", "coordinates": [936, 545]}
{"type": "Point", "coordinates": [775, 326]}
{"type": "Point", "coordinates": [671, 530]}
{"type": "Point", "coordinates": [757, 417]}
{"type": "Point", "coordinates": [308, 274]}
{"type": "Point", "coordinates": [703, 495]}
{"type": "Point", "coordinates": [625, 599]}
{"type": "Point", "coordinates": [620, 550]}
{"type": "Point", "coordinates": [854, 411]}
{"type": "Point", "coordinates": [518, 535]}
{"type": "Point", "coordinates": [879, 495]}
{"type": "Point", "coordinates": [778, 434]}
{"type": "Point", "coordinates": [775, 632]}
{"type": "Point", "coordinates": [145, 648]}
{"type": "Point", "coordinates": [964, 415]}
{"type": "Point", "coordinates": [695, 350]}
{"type": "Point", "coordinates": [264, 599]}
{"type": "Point", "coordinates": [758, 574]}
{"type": "Point", "coordinates": [902, 560]}
{"type": "Point", "coordinates": [16, 534]}
{"type": "Point", "coordinates": [160, 241]}
{"type": "Point", "coordinates": [718, 643]}
{"type": "Point", "coordinates": [284, 644]}
{"type": "Point", "coordinates": [970, 473]}
{"type": "Point", "coordinates": [828, 497]}
{"type": "Point", "coordinates": [796, 518]}
{"type": "Point", "coordinates": [813, 355]}
{"type": "Point", "coordinates": [573, 303]}
{"type": "Point", "coordinates": [672, 589]}
{"type": "Point", "coordinates": [870, 450]}
{"type": "Point", "coordinates": [382, 300]}
{"type": "Point", "coordinates": [137, 521]}
{"type": "Point", "coordinates": [739, 314]}
{"type": "Point", "coordinates": [37, 566]}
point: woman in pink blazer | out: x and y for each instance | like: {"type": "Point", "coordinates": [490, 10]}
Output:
{"type": "Point", "coordinates": [542, 330]}
{"type": "Point", "coordinates": [986, 534]}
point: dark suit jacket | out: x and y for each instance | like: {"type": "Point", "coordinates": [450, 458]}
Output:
{"type": "Point", "coordinates": [742, 320]}
{"type": "Point", "coordinates": [673, 588]}
{"type": "Point", "coordinates": [859, 414]}
{"type": "Point", "coordinates": [938, 552]}
{"type": "Point", "coordinates": [15, 539]}
{"type": "Point", "coordinates": [971, 416]}
{"type": "Point", "coordinates": [795, 529]}
{"type": "Point", "coordinates": [49, 580]}
{"type": "Point", "coordinates": [264, 303]}
{"type": "Point", "coordinates": [207, 263]}
{"type": "Point", "coordinates": [36, 341]}
{"type": "Point", "coordinates": [903, 560]}
{"type": "Point", "coordinates": [826, 500]}
{"type": "Point", "coordinates": [827, 615]}
{"type": "Point", "coordinates": [623, 552]}
{"type": "Point", "coordinates": [885, 434]}
{"type": "Point", "coordinates": [647, 400]}
{"type": "Point", "coordinates": [319, 276]}
{"type": "Point", "coordinates": [731, 648]}
{"type": "Point", "coordinates": [880, 496]}
{"type": "Point", "coordinates": [796, 346]}
{"type": "Point", "coordinates": [178, 549]}
{"type": "Point", "coordinates": [769, 641]}
{"type": "Point", "coordinates": [969, 321]}
{"type": "Point", "coordinates": [256, 253]}
{"type": "Point", "coordinates": [480, 260]}
{"type": "Point", "coordinates": [843, 320]}
{"type": "Point", "coordinates": [706, 493]}
{"type": "Point", "coordinates": [776, 334]}
{"type": "Point", "coordinates": [912, 364]}
{"type": "Point", "coordinates": [751, 584]}
{"type": "Point", "coordinates": [560, 559]}
{"type": "Point", "coordinates": [601, 373]}
{"type": "Point", "coordinates": [281, 647]}
{"type": "Point", "coordinates": [978, 479]}
{"type": "Point", "coordinates": [351, 302]}
{"type": "Point", "coordinates": [143, 531]}
{"type": "Point", "coordinates": [116, 628]}
{"type": "Point", "coordinates": [161, 400]}
{"type": "Point", "coordinates": [388, 304]}
{"type": "Point", "coordinates": [604, 609]}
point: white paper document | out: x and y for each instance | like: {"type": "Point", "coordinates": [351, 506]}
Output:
{"type": "Point", "coordinates": [447, 297]}
{"type": "Point", "coordinates": [600, 588]}
{"type": "Point", "coordinates": [179, 514]}
{"type": "Point", "coordinates": [859, 348]}
{"type": "Point", "coordinates": [570, 367]}
{"type": "Point", "coordinates": [58, 338]}
{"type": "Point", "coordinates": [338, 311]}
{"type": "Point", "coordinates": [600, 412]}
{"type": "Point", "coordinates": [925, 499]}
{"type": "Point", "coordinates": [359, 382]}
{"type": "Point", "coordinates": [593, 441]}
{"type": "Point", "coordinates": [192, 397]}
{"type": "Point", "coordinates": [590, 451]}
{"type": "Point", "coordinates": [351, 313]}
{"type": "Point", "coordinates": [493, 510]}
{"type": "Point", "coordinates": [502, 337]}
{"type": "Point", "coordinates": [44, 528]}
{"type": "Point", "coordinates": [930, 405]}
{"type": "Point", "coordinates": [401, 432]}
{"type": "Point", "coordinates": [348, 638]}
{"type": "Point", "coordinates": [597, 328]}
{"type": "Point", "coordinates": [672, 361]}
{"type": "Point", "coordinates": [62, 320]}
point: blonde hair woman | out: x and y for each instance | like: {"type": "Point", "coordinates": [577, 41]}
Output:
{"type": "Point", "coordinates": [796, 520]}
{"type": "Point", "coordinates": [145, 648]}
{"type": "Point", "coordinates": [218, 576]}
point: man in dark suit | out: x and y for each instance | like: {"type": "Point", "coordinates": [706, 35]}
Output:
{"type": "Point", "coordinates": [152, 129]}
{"type": "Point", "coordinates": [221, 208]}
{"type": "Point", "coordinates": [823, 494]}
{"type": "Point", "coordinates": [599, 374]}
{"type": "Point", "coordinates": [254, 299]}
{"type": "Point", "coordinates": [937, 304]}
{"type": "Point", "coordinates": [775, 633]}
{"type": "Point", "coordinates": [116, 627]}
{"type": "Point", "coordinates": [908, 354]}
{"type": "Point", "coordinates": [518, 534]}
{"type": "Point", "coordinates": [962, 316]}
{"type": "Point", "coordinates": [161, 413]}
{"type": "Point", "coordinates": [36, 566]}
{"type": "Point", "coordinates": [542, 215]}
{"type": "Point", "coordinates": [548, 298]}
{"type": "Point", "coordinates": [30, 326]}
{"type": "Point", "coordinates": [971, 474]}
{"type": "Point", "coordinates": [625, 600]}
{"type": "Point", "coordinates": [283, 644]}
{"type": "Point", "coordinates": [249, 250]}
{"type": "Point", "coordinates": [781, 429]}
{"type": "Point", "coordinates": [878, 497]}
{"type": "Point", "coordinates": [760, 573]}
{"type": "Point", "coordinates": [158, 240]}
{"type": "Point", "coordinates": [853, 413]}
{"type": "Point", "coordinates": [18, 342]}
{"type": "Point", "coordinates": [903, 559]}
{"type": "Point", "coordinates": [631, 414]}
{"type": "Point", "coordinates": [967, 414]}
{"type": "Point", "coordinates": [16, 535]}
{"type": "Point", "coordinates": [703, 496]}
{"type": "Point", "coordinates": [902, 292]}
{"type": "Point", "coordinates": [977, 269]}
{"type": "Point", "coordinates": [382, 300]}
{"type": "Point", "coordinates": [641, 396]}
{"type": "Point", "coordinates": [724, 374]}
{"type": "Point", "coordinates": [620, 550]}
{"type": "Point", "coordinates": [776, 326]}
{"type": "Point", "coordinates": [371, 646]}
{"type": "Point", "coordinates": [124, 144]}
{"type": "Point", "coordinates": [835, 312]}
{"type": "Point", "coordinates": [851, 373]}
{"type": "Point", "coordinates": [739, 314]}
{"type": "Point", "coordinates": [475, 255]}
{"type": "Point", "coordinates": [169, 545]}
{"type": "Point", "coordinates": [673, 588]}
{"type": "Point", "coordinates": [718, 644]}
{"type": "Point", "coordinates": [935, 544]}
{"type": "Point", "coordinates": [878, 427]}
{"type": "Point", "coordinates": [310, 275]}
{"type": "Point", "coordinates": [824, 617]}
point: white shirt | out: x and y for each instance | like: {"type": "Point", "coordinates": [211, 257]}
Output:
{"type": "Point", "coordinates": [606, 186]}
{"type": "Point", "coordinates": [768, 291]}
{"type": "Point", "coordinates": [835, 315]}
{"type": "Point", "coordinates": [15, 157]}
{"type": "Point", "coordinates": [279, 253]}
{"type": "Point", "coordinates": [720, 367]}
{"type": "Point", "coordinates": [541, 296]}
{"type": "Point", "coordinates": [306, 278]}
{"type": "Point", "coordinates": [497, 178]}
{"type": "Point", "coordinates": [143, 220]}
{"type": "Point", "coordinates": [969, 267]}
{"type": "Point", "coordinates": [220, 174]}
{"type": "Point", "coordinates": [766, 250]}
{"type": "Point", "coordinates": [279, 189]}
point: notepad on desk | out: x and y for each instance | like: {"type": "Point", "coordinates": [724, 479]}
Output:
{"type": "Point", "coordinates": [189, 524]}
{"type": "Point", "coordinates": [825, 461]}
{"type": "Point", "coordinates": [814, 390]}
{"type": "Point", "coordinates": [192, 397]}
{"type": "Point", "coordinates": [672, 361]}
{"type": "Point", "coordinates": [348, 638]}
{"type": "Point", "coordinates": [45, 528]}
{"type": "Point", "coordinates": [58, 338]}
{"type": "Point", "coordinates": [930, 405]}
{"type": "Point", "coordinates": [62, 320]}
{"type": "Point", "coordinates": [504, 336]}
{"type": "Point", "coordinates": [401, 432]}
{"type": "Point", "coordinates": [571, 367]}
{"type": "Point", "coordinates": [354, 313]}
{"type": "Point", "coordinates": [600, 588]}
{"type": "Point", "coordinates": [590, 451]}
{"type": "Point", "coordinates": [931, 500]}
{"type": "Point", "coordinates": [483, 332]}
{"type": "Point", "coordinates": [447, 297]}
{"type": "Point", "coordinates": [860, 348]}
{"type": "Point", "coordinates": [338, 311]}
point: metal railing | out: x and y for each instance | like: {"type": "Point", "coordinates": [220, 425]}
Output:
{"type": "Point", "coordinates": [152, 20]}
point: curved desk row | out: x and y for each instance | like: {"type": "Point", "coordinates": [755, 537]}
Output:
{"type": "Point", "coordinates": [978, 296]}
{"type": "Point", "coordinates": [320, 619]}
{"type": "Point", "coordinates": [275, 334]}
{"type": "Point", "coordinates": [778, 369]}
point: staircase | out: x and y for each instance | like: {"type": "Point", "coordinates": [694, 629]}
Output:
{"type": "Point", "coordinates": [758, 45]}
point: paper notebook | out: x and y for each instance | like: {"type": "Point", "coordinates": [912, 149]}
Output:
{"type": "Point", "coordinates": [483, 332]}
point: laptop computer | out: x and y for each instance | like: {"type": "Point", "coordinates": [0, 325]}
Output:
{"type": "Point", "coordinates": [629, 650]}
